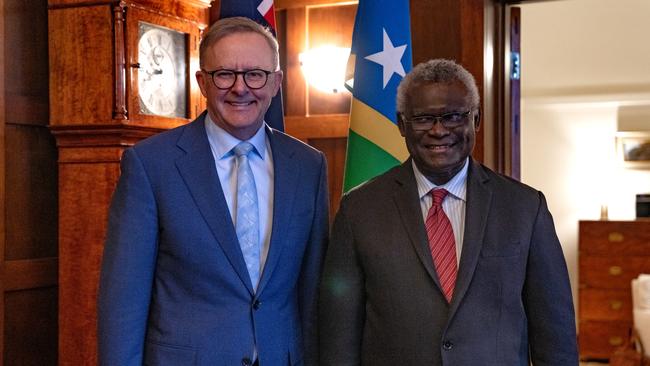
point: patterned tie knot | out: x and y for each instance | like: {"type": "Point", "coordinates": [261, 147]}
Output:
{"type": "Point", "coordinates": [438, 196]}
{"type": "Point", "coordinates": [243, 148]}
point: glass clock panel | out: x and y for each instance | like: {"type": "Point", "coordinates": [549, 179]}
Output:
{"type": "Point", "coordinates": [162, 76]}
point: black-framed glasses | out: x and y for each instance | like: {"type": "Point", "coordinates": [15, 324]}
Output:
{"type": "Point", "coordinates": [225, 78]}
{"type": "Point", "coordinates": [448, 120]}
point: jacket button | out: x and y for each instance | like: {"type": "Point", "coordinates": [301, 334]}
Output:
{"type": "Point", "coordinates": [256, 304]}
{"type": "Point", "coordinates": [447, 345]}
{"type": "Point", "coordinates": [246, 361]}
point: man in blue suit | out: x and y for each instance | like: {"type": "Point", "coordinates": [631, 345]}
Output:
{"type": "Point", "coordinates": [186, 280]}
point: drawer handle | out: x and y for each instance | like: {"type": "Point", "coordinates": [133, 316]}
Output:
{"type": "Point", "coordinates": [615, 237]}
{"type": "Point", "coordinates": [615, 341]}
{"type": "Point", "coordinates": [616, 304]}
{"type": "Point", "coordinates": [615, 270]}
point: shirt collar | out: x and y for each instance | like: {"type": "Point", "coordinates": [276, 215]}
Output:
{"type": "Point", "coordinates": [457, 186]}
{"type": "Point", "coordinates": [222, 143]}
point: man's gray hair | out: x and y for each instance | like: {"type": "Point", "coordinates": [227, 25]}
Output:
{"type": "Point", "coordinates": [227, 26]}
{"type": "Point", "coordinates": [436, 71]}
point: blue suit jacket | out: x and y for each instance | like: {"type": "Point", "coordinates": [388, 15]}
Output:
{"type": "Point", "coordinates": [174, 289]}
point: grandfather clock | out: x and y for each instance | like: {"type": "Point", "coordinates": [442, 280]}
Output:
{"type": "Point", "coordinates": [120, 71]}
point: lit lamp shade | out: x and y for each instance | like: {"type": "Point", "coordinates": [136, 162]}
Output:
{"type": "Point", "coordinates": [324, 67]}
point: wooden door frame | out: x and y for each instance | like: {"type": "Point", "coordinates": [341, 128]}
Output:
{"type": "Point", "coordinates": [2, 181]}
{"type": "Point", "coordinates": [497, 100]}
{"type": "Point", "coordinates": [498, 146]}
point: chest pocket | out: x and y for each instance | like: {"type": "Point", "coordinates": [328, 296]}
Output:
{"type": "Point", "coordinates": [501, 249]}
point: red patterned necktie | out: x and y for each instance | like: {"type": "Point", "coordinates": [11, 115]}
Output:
{"type": "Point", "coordinates": [442, 243]}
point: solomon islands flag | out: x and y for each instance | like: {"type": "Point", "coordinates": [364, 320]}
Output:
{"type": "Point", "coordinates": [381, 49]}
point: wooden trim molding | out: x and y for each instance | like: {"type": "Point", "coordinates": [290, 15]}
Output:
{"type": "Point", "coordinates": [30, 273]}
{"type": "Point", "coordinates": [286, 4]}
{"type": "Point", "coordinates": [101, 135]}
{"type": "Point", "coordinates": [119, 113]}
{"type": "Point", "coordinates": [171, 7]}
{"type": "Point", "coordinates": [97, 143]}
{"type": "Point", "coordinates": [317, 126]}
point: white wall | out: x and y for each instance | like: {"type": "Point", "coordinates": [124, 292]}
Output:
{"type": "Point", "coordinates": [583, 61]}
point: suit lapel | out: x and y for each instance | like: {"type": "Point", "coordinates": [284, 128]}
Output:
{"type": "Point", "coordinates": [285, 182]}
{"type": "Point", "coordinates": [406, 198]}
{"type": "Point", "coordinates": [197, 168]}
{"type": "Point", "coordinates": [479, 198]}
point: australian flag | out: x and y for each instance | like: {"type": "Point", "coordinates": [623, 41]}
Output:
{"type": "Point", "coordinates": [262, 12]}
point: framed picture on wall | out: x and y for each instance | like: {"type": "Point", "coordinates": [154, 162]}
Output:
{"type": "Point", "coordinates": [634, 149]}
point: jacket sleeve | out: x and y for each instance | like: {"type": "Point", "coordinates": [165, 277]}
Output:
{"type": "Point", "coordinates": [342, 300]}
{"type": "Point", "coordinates": [127, 266]}
{"type": "Point", "coordinates": [547, 297]}
{"type": "Point", "coordinates": [311, 268]}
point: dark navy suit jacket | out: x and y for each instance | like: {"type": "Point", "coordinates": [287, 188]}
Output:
{"type": "Point", "coordinates": [381, 301]}
{"type": "Point", "coordinates": [174, 289]}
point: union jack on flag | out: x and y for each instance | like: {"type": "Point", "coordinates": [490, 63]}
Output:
{"type": "Point", "coordinates": [262, 12]}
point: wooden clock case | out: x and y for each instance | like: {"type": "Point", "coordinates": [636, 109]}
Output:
{"type": "Point", "coordinates": [94, 117]}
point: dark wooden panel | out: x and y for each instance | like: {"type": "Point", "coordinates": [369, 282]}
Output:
{"type": "Point", "coordinates": [472, 35]}
{"type": "Point", "coordinates": [31, 193]}
{"type": "Point", "coordinates": [332, 26]}
{"type": "Point", "coordinates": [26, 54]}
{"type": "Point", "coordinates": [30, 327]}
{"type": "Point", "coordinates": [334, 150]}
{"type": "Point", "coordinates": [293, 88]}
{"type": "Point", "coordinates": [321, 102]}
{"type": "Point", "coordinates": [27, 109]}
{"type": "Point", "coordinates": [2, 176]}
{"type": "Point", "coordinates": [28, 292]}
{"type": "Point", "coordinates": [435, 29]}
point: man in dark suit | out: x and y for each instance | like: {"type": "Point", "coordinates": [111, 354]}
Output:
{"type": "Point", "coordinates": [441, 261]}
{"type": "Point", "coordinates": [217, 229]}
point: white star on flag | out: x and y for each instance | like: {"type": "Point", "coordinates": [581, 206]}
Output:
{"type": "Point", "coordinates": [390, 59]}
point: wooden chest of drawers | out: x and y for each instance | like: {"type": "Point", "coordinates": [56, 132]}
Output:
{"type": "Point", "coordinates": [611, 254]}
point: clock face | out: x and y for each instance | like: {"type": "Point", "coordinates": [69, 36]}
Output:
{"type": "Point", "coordinates": [162, 75]}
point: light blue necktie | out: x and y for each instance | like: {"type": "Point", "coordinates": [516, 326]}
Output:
{"type": "Point", "coordinates": [247, 215]}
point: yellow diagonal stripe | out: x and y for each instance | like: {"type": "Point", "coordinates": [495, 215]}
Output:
{"type": "Point", "coordinates": [378, 129]}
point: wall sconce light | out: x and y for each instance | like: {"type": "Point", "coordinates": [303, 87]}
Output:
{"type": "Point", "coordinates": [324, 67]}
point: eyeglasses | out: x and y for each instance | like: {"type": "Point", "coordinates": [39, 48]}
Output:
{"type": "Point", "coordinates": [225, 79]}
{"type": "Point", "coordinates": [448, 120]}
